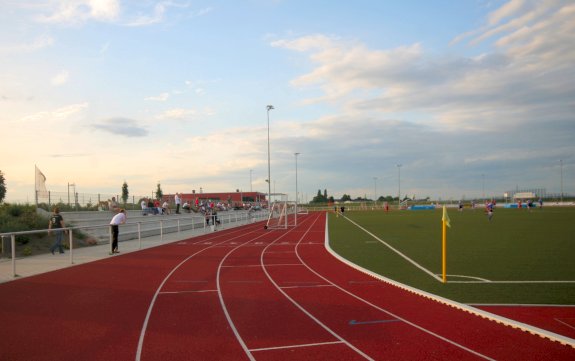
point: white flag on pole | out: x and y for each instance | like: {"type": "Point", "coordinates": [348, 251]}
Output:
{"type": "Point", "coordinates": [41, 190]}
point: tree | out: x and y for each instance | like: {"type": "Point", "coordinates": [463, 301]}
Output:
{"type": "Point", "coordinates": [2, 187]}
{"type": "Point", "coordinates": [319, 198]}
{"type": "Point", "coordinates": [345, 198]}
{"type": "Point", "coordinates": [159, 193]}
{"type": "Point", "coordinates": [125, 192]}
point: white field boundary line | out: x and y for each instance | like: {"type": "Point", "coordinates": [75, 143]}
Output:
{"type": "Point", "coordinates": [475, 311]}
{"type": "Point", "coordinates": [512, 282]}
{"type": "Point", "coordinates": [437, 278]}
{"type": "Point", "coordinates": [395, 317]}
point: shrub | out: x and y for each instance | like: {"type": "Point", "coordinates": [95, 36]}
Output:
{"type": "Point", "coordinates": [27, 251]}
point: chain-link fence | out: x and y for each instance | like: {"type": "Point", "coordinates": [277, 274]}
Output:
{"type": "Point", "coordinates": [70, 201]}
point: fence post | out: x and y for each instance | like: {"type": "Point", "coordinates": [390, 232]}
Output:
{"type": "Point", "coordinates": [13, 244]}
{"type": "Point", "coordinates": [71, 247]}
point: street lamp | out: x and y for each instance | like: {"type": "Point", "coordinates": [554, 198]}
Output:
{"type": "Point", "coordinates": [296, 191]}
{"type": "Point", "coordinates": [296, 154]}
{"type": "Point", "coordinates": [399, 186]}
{"type": "Point", "coordinates": [561, 163]}
{"type": "Point", "coordinates": [269, 107]}
{"type": "Point", "coordinates": [375, 191]}
{"type": "Point", "coordinates": [483, 186]}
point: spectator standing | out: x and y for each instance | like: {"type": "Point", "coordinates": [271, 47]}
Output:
{"type": "Point", "coordinates": [56, 223]}
{"type": "Point", "coordinates": [118, 219]}
{"type": "Point", "coordinates": [177, 201]}
{"type": "Point", "coordinates": [113, 205]}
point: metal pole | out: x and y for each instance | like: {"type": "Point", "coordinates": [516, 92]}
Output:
{"type": "Point", "coordinates": [375, 191]}
{"type": "Point", "coordinates": [13, 245]}
{"type": "Point", "coordinates": [269, 107]}
{"type": "Point", "coordinates": [296, 154]}
{"type": "Point", "coordinates": [251, 170]}
{"type": "Point", "coordinates": [71, 246]}
{"type": "Point", "coordinates": [561, 162]}
{"type": "Point", "coordinates": [140, 235]}
{"type": "Point", "coordinates": [398, 186]}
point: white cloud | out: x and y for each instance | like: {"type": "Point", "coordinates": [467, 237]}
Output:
{"type": "Point", "coordinates": [40, 42]}
{"type": "Point", "coordinates": [61, 114]}
{"type": "Point", "coordinates": [177, 113]}
{"type": "Point", "coordinates": [159, 13]}
{"type": "Point", "coordinates": [60, 79]}
{"type": "Point", "coordinates": [79, 11]}
{"type": "Point", "coordinates": [160, 98]}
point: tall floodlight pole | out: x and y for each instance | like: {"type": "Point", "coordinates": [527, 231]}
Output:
{"type": "Point", "coordinates": [561, 163]}
{"type": "Point", "coordinates": [483, 186]}
{"type": "Point", "coordinates": [269, 107]}
{"type": "Point", "coordinates": [399, 186]}
{"type": "Point", "coordinates": [296, 192]}
{"type": "Point", "coordinates": [375, 191]}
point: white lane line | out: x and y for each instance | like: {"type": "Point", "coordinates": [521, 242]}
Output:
{"type": "Point", "coordinates": [258, 265]}
{"type": "Point", "coordinates": [156, 294]}
{"type": "Point", "coordinates": [324, 326]}
{"type": "Point", "coordinates": [223, 304]}
{"type": "Point", "coordinates": [310, 286]}
{"type": "Point", "coordinates": [565, 323]}
{"type": "Point", "coordinates": [295, 346]}
{"type": "Point", "coordinates": [182, 292]}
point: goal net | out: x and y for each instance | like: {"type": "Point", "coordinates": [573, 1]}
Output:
{"type": "Point", "coordinates": [282, 215]}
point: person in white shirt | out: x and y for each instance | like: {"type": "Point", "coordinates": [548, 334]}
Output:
{"type": "Point", "coordinates": [166, 208]}
{"type": "Point", "coordinates": [178, 201]}
{"type": "Point", "coordinates": [119, 218]}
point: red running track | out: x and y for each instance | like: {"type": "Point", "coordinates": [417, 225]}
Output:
{"type": "Point", "coordinates": [243, 294]}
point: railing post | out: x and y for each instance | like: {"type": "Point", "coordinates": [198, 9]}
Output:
{"type": "Point", "coordinates": [140, 235]}
{"type": "Point", "coordinates": [13, 244]}
{"type": "Point", "coordinates": [161, 231]}
{"type": "Point", "coordinates": [178, 225]}
{"type": "Point", "coordinates": [71, 238]}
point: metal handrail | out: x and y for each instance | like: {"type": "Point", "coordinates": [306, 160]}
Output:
{"type": "Point", "coordinates": [70, 230]}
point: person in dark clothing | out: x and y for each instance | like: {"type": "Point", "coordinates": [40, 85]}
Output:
{"type": "Point", "coordinates": [56, 223]}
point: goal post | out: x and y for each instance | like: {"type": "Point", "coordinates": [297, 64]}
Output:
{"type": "Point", "coordinates": [282, 215]}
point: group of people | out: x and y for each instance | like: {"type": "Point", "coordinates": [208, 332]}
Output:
{"type": "Point", "coordinates": [56, 224]}
{"type": "Point", "coordinates": [154, 207]}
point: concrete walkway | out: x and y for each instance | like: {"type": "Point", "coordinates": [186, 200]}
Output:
{"type": "Point", "coordinates": [33, 265]}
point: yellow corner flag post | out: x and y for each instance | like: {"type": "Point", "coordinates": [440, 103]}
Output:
{"type": "Point", "coordinates": [445, 223]}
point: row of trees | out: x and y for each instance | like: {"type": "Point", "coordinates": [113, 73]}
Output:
{"type": "Point", "coordinates": [323, 198]}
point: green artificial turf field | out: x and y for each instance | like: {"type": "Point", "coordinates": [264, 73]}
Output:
{"type": "Point", "coordinates": [528, 256]}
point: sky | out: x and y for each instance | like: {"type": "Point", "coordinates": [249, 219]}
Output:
{"type": "Point", "coordinates": [470, 97]}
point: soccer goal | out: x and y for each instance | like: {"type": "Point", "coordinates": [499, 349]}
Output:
{"type": "Point", "coordinates": [282, 215]}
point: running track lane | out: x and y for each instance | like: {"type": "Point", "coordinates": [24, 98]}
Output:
{"type": "Point", "coordinates": [96, 311]}
{"type": "Point", "coordinates": [448, 324]}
